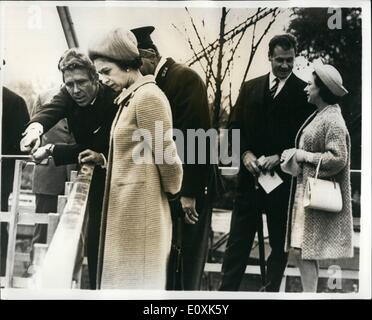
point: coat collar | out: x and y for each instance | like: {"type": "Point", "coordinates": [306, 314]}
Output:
{"type": "Point", "coordinates": [307, 121]}
{"type": "Point", "coordinates": [162, 72]}
{"type": "Point", "coordinates": [160, 65]}
{"type": "Point", "coordinates": [126, 92]}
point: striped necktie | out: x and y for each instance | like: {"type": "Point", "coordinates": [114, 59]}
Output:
{"type": "Point", "coordinates": [274, 88]}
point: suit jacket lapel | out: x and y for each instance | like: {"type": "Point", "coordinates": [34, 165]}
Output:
{"type": "Point", "coordinates": [286, 88]}
{"type": "Point", "coordinates": [262, 88]}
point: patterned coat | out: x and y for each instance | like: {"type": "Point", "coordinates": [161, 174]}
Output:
{"type": "Point", "coordinates": [326, 235]}
{"type": "Point", "coordinates": [136, 226]}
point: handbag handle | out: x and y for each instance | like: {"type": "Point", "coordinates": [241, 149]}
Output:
{"type": "Point", "coordinates": [317, 172]}
{"type": "Point", "coordinates": [318, 168]}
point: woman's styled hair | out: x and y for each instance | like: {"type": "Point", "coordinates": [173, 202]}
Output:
{"type": "Point", "coordinates": [324, 92]}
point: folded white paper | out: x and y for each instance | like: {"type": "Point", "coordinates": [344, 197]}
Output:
{"type": "Point", "coordinates": [267, 181]}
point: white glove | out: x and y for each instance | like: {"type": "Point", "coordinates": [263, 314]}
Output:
{"type": "Point", "coordinates": [31, 140]}
{"type": "Point", "coordinates": [287, 153]}
{"type": "Point", "coordinates": [303, 156]}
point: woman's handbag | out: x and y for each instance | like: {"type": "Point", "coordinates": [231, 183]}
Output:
{"type": "Point", "coordinates": [321, 194]}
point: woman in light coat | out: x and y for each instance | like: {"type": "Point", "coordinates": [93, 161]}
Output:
{"type": "Point", "coordinates": [136, 226]}
{"type": "Point", "coordinates": [313, 234]}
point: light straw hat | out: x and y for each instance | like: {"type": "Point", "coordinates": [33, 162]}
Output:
{"type": "Point", "coordinates": [330, 77]}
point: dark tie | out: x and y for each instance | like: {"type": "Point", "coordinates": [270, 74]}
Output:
{"type": "Point", "coordinates": [274, 88]}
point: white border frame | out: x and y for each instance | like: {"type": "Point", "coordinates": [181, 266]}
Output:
{"type": "Point", "coordinates": [365, 243]}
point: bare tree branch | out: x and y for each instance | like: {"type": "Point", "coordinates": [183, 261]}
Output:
{"type": "Point", "coordinates": [231, 34]}
{"type": "Point", "coordinates": [190, 45]}
{"type": "Point", "coordinates": [233, 54]}
{"type": "Point", "coordinates": [254, 47]}
{"type": "Point", "coordinates": [218, 96]}
{"type": "Point", "coordinates": [206, 57]}
{"type": "Point", "coordinates": [230, 99]}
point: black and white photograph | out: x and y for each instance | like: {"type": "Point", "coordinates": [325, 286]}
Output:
{"type": "Point", "coordinates": [185, 150]}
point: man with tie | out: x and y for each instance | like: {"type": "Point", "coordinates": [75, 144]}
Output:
{"type": "Point", "coordinates": [89, 108]}
{"type": "Point", "coordinates": [269, 111]}
{"type": "Point", "coordinates": [187, 95]}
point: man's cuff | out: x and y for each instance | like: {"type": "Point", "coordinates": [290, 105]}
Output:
{"type": "Point", "coordinates": [104, 165]}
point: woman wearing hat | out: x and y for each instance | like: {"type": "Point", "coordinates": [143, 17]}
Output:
{"type": "Point", "coordinates": [314, 234]}
{"type": "Point", "coordinates": [136, 227]}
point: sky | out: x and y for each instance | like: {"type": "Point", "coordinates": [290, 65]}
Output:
{"type": "Point", "coordinates": [33, 39]}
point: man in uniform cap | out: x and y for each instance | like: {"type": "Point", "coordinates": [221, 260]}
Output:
{"type": "Point", "coordinates": [187, 95]}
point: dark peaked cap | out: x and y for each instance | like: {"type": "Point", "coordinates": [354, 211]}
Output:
{"type": "Point", "coordinates": [143, 37]}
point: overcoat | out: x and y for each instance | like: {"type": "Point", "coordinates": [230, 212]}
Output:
{"type": "Point", "coordinates": [14, 120]}
{"type": "Point", "coordinates": [187, 95]}
{"type": "Point", "coordinates": [326, 235]}
{"type": "Point", "coordinates": [136, 225]}
{"type": "Point", "coordinates": [188, 99]}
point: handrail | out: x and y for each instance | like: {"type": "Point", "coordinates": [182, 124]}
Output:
{"type": "Point", "coordinates": [64, 256]}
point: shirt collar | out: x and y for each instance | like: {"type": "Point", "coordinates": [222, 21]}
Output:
{"type": "Point", "coordinates": [272, 77]}
{"type": "Point", "coordinates": [159, 66]}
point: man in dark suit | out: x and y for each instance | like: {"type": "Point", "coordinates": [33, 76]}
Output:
{"type": "Point", "coordinates": [269, 111]}
{"type": "Point", "coordinates": [89, 108]}
{"type": "Point", "coordinates": [14, 119]}
{"type": "Point", "coordinates": [188, 99]}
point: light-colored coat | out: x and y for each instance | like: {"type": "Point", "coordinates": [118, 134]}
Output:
{"type": "Point", "coordinates": [326, 235]}
{"type": "Point", "coordinates": [136, 226]}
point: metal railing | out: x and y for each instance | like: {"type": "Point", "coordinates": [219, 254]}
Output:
{"type": "Point", "coordinates": [58, 263]}
{"type": "Point", "coordinates": [61, 266]}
